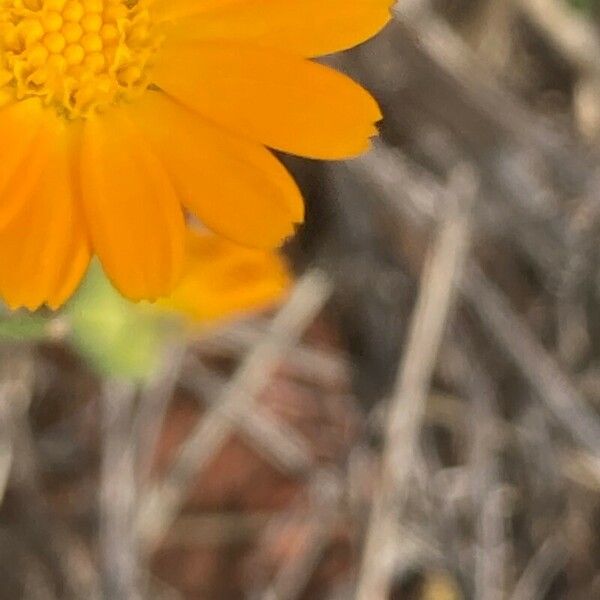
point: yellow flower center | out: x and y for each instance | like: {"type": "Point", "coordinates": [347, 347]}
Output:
{"type": "Point", "coordinates": [78, 56]}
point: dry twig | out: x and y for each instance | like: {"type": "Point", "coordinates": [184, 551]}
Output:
{"type": "Point", "coordinates": [161, 505]}
{"type": "Point", "coordinates": [438, 282]}
{"type": "Point", "coordinates": [118, 495]}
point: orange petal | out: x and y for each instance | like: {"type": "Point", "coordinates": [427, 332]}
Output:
{"type": "Point", "coordinates": [306, 27]}
{"type": "Point", "coordinates": [74, 268]}
{"type": "Point", "coordinates": [235, 187]}
{"type": "Point", "coordinates": [43, 246]}
{"type": "Point", "coordinates": [134, 217]}
{"type": "Point", "coordinates": [281, 100]}
{"type": "Point", "coordinates": [20, 123]}
{"type": "Point", "coordinates": [222, 279]}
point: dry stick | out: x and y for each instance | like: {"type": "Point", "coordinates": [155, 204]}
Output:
{"type": "Point", "coordinates": [118, 495]}
{"type": "Point", "coordinates": [218, 529]}
{"type": "Point", "coordinates": [319, 366]}
{"type": "Point", "coordinates": [279, 443]}
{"type": "Point", "coordinates": [540, 369]}
{"type": "Point", "coordinates": [415, 194]}
{"type": "Point", "coordinates": [444, 46]}
{"type": "Point", "coordinates": [447, 48]}
{"type": "Point", "coordinates": [576, 40]}
{"type": "Point", "coordinates": [71, 572]}
{"type": "Point", "coordinates": [153, 404]}
{"type": "Point", "coordinates": [541, 570]}
{"type": "Point", "coordinates": [535, 363]}
{"type": "Point", "coordinates": [525, 149]}
{"type": "Point", "coordinates": [488, 497]}
{"type": "Point", "coordinates": [573, 36]}
{"type": "Point", "coordinates": [6, 441]}
{"type": "Point", "coordinates": [295, 574]}
{"type": "Point", "coordinates": [438, 282]}
{"type": "Point", "coordinates": [490, 33]}
{"type": "Point", "coordinates": [162, 504]}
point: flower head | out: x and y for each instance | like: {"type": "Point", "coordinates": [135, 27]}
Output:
{"type": "Point", "coordinates": [118, 117]}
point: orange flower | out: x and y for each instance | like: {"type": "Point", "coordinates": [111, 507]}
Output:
{"type": "Point", "coordinates": [118, 115]}
{"type": "Point", "coordinates": [222, 280]}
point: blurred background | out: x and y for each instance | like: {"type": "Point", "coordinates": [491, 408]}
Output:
{"type": "Point", "coordinates": [419, 416]}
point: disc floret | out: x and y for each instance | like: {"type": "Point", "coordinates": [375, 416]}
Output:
{"type": "Point", "coordinates": [78, 56]}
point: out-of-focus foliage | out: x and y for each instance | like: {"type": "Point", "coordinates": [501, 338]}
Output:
{"type": "Point", "coordinates": [23, 326]}
{"type": "Point", "coordinates": [587, 6]}
{"type": "Point", "coordinates": [118, 337]}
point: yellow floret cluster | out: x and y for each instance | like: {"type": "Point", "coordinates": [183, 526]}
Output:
{"type": "Point", "coordinates": [77, 55]}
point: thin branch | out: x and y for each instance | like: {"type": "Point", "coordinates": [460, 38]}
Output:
{"type": "Point", "coordinates": [118, 495]}
{"type": "Point", "coordinates": [6, 440]}
{"type": "Point", "coordinates": [295, 574]}
{"type": "Point", "coordinates": [162, 504]}
{"type": "Point", "coordinates": [63, 556]}
{"type": "Point", "coordinates": [572, 35]}
{"type": "Point", "coordinates": [539, 368]}
{"type": "Point", "coordinates": [279, 443]}
{"type": "Point", "coordinates": [438, 283]}
{"type": "Point", "coordinates": [488, 495]}
{"type": "Point", "coordinates": [514, 335]}
{"type": "Point", "coordinates": [154, 400]}
{"type": "Point", "coordinates": [541, 570]}
{"type": "Point", "coordinates": [315, 364]}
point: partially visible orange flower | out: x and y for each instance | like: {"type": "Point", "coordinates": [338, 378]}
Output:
{"type": "Point", "coordinates": [222, 280]}
{"type": "Point", "coordinates": [118, 115]}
